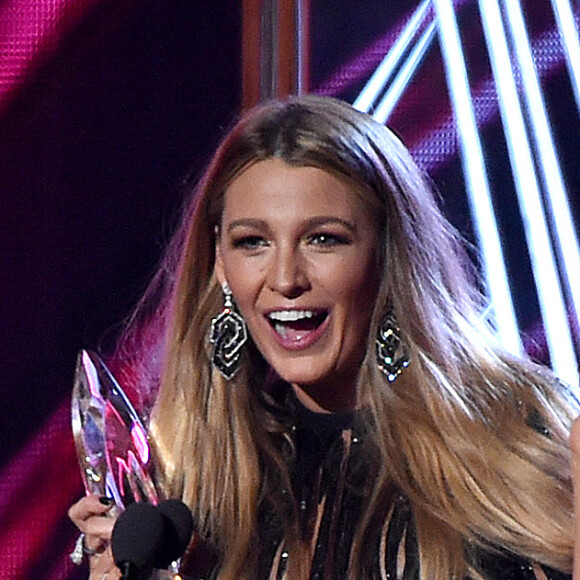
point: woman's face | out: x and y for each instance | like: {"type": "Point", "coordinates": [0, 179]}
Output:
{"type": "Point", "coordinates": [297, 248]}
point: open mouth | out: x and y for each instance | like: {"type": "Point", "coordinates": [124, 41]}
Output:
{"type": "Point", "coordinates": [296, 324]}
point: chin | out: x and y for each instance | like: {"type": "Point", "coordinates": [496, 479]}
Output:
{"type": "Point", "coordinates": [303, 376]}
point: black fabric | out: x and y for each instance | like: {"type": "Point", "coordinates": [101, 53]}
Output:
{"type": "Point", "coordinates": [328, 474]}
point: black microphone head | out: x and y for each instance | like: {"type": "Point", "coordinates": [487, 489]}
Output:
{"type": "Point", "coordinates": [177, 531]}
{"type": "Point", "coordinates": [180, 516]}
{"type": "Point", "coordinates": [138, 535]}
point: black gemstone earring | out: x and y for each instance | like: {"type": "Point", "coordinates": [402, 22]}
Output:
{"type": "Point", "coordinates": [228, 334]}
{"type": "Point", "coordinates": [392, 357]}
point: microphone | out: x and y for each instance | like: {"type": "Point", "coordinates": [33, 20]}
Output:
{"type": "Point", "coordinates": [137, 535]}
{"type": "Point", "coordinates": [146, 537]}
{"type": "Point", "coordinates": [178, 531]}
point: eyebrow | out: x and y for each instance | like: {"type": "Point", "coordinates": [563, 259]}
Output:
{"type": "Point", "coordinates": [310, 223]}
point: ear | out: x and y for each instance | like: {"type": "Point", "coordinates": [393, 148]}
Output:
{"type": "Point", "coordinates": [218, 268]}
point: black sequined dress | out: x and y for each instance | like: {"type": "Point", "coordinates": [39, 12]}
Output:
{"type": "Point", "coordinates": [328, 476]}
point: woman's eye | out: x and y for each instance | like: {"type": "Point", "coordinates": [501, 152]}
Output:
{"type": "Point", "coordinates": [249, 242]}
{"type": "Point", "coordinates": [327, 239]}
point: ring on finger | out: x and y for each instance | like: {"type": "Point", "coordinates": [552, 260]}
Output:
{"type": "Point", "coordinates": [78, 553]}
{"type": "Point", "coordinates": [91, 551]}
{"type": "Point", "coordinates": [80, 549]}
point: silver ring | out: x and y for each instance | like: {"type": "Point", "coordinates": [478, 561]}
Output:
{"type": "Point", "coordinates": [78, 554]}
{"type": "Point", "coordinates": [91, 551]}
{"type": "Point", "coordinates": [80, 549]}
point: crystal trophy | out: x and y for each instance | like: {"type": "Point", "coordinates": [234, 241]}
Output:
{"type": "Point", "coordinates": [111, 441]}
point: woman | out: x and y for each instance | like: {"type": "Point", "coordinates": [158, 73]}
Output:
{"type": "Point", "coordinates": [348, 414]}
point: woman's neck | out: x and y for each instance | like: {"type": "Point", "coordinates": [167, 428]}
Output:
{"type": "Point", "coordinates": [324, 400]}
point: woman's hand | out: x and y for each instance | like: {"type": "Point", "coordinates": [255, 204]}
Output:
{"type": "Point", "coordinates": [91, 517]}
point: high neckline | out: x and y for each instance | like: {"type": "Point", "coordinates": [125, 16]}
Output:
{"type": "Point", "coordinates": [321, 423]}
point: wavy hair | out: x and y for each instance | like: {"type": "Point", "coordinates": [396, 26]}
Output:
{"type": "Point", "coordinates": [457, 432]}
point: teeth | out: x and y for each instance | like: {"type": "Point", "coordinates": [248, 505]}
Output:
{"type": "Point", "coordinates": [281, 330]}
{"type": "Point", "coordinates": [291, 315]}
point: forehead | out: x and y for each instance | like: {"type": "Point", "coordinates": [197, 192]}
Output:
{"type": "Point", "coordinates": [273, 188]}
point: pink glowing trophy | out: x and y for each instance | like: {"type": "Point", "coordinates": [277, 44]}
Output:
{"type": "Point", "coordinates": [111, 442]}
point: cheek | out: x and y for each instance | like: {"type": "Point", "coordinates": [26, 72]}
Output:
{"type": "Point", "coordinates": [242, 295]}
{"type": "Point", "coordinates": [240, 274]}
{"type": "Point", "coordinates": [245, 288]}
{"type": "Point", "coordinates": [359, 291]}
{"type": "Point", "coordinates": [358, 282]}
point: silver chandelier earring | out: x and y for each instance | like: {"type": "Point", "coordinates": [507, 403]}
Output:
{"type": "Point", "coordinates": [228, 334]}
{"type": "Point", "coordinates": [392, 356]}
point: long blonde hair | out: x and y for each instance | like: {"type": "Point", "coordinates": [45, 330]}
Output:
{"type": "Point", "coordinates": [474, 438]}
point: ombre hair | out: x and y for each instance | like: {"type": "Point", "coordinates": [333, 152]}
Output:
{"type": "Point", "coordinates": [457, 433]}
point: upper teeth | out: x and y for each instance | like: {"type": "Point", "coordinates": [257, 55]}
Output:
{"type": "Point", "coordinates": [291, 315]}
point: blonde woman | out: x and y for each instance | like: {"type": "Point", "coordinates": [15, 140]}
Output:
{"type": "Point", "coordinates": [331, 403]}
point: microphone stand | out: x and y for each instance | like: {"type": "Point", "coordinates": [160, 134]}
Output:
{"type": "Point", "coordinates": [130, 572]}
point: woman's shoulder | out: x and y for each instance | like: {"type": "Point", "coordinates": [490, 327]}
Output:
{"type": "Point", "coordinates": [499, 565]}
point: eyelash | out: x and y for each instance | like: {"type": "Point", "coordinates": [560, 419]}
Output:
{"type": "Point", "coordinates": [328, 239]}
{"type": "Point", "coordinates": [322, 239]}
{"type": "Point", "coordinates": [249, 242]}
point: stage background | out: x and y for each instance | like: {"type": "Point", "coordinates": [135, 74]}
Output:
{"type": "Point", "coordinates": [105, 109]}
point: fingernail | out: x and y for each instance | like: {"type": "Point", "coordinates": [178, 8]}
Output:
{"type": "Point", "coordinates": [106, 500]}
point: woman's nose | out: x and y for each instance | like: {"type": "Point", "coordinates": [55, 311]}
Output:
{"type": "Point", "coordinates": [287, 274]}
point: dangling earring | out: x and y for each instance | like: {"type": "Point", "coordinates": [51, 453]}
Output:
{"type": "Point", "coordinates": [227, 334]}
{"type": "Point", "coordinates": [388, 343]}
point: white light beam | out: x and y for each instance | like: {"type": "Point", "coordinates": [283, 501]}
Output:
{"type": "Point", "coordinates": [543, 264]}
{"type": "Point", "coordinates": [564, 232]}
{"type": "Point", "coordinates": [476, 180]}
{"type": "Point", "coordinates": [364, 102]}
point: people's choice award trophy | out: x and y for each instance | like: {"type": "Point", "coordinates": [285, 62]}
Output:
{"type": "Point", "coordinates": [112, 444]}
{"type": "Point", "coordinates": [116, 461]}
